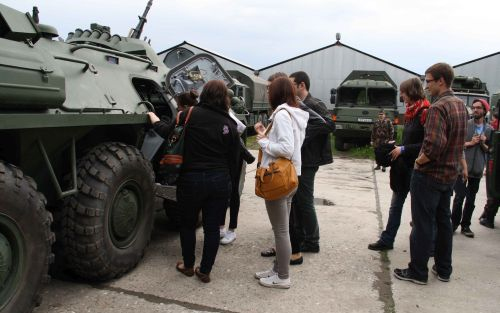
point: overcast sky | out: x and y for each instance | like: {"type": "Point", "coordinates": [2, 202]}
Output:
{"type": "Point", "coordinates": [412, 34]}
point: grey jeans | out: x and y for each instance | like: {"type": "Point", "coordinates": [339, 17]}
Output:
{"type": "Point", "coordinates": [279, 216]}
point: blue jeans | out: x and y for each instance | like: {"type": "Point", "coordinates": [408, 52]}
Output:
{"type": "Point", "coordinates": [305, 226]}
{"type": "Point", "coordinates": [430, 208]}
{"type": "Point", "coordinates": [208, 191]}
{"type": "Point", "coordinates": [391, 229]}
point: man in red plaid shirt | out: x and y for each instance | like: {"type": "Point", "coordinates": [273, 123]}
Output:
{"type": "Point", "coordinates": [435, 172]}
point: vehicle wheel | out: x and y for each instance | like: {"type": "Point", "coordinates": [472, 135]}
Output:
{"type": "Point", "coordinates": [25, 241]}
{"type": "Point", "coordinates": [107, 225]}
{"type": "Point", "coordinates": [340, 144]}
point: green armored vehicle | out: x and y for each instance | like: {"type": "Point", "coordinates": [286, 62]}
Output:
{"type": "Point", "coordinates": [358, 100]}
{"type": "Point", "coordinates": [469, 88]}
{"type": "Point", "coordinates": [72, 124]}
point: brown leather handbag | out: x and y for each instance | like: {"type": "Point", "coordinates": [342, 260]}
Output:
{"type": "Point", "coordinates": [276, 181]}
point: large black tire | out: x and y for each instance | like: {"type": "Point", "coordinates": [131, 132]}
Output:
{"type": "Point", "coordinates": [107, 225]}
{"type": "Point", "coordinates": [25, 241]}
{"type": "Point", "coordinates": [340, 144]}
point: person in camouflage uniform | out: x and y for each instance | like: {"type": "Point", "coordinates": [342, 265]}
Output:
{"type": "Point", "coordinates": [382, 132]}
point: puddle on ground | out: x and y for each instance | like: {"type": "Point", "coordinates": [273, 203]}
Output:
{"type": "Point", "coordinates": [319, 201]}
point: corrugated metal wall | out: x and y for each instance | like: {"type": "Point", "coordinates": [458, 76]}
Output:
{"type": "Point", "coordinates": [487, 69]}
{"type": "Point", "coordinates": [327, 68]}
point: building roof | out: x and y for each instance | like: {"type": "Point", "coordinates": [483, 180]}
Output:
{"type": "Point", "coordinates": [478, 59]}
{"type": "Point", "coordinates": [209, 52]}
{"type": "Point", "coordinates": [339, 44]}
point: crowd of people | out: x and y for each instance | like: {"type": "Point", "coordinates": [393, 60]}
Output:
{"type": "Point", "coordinates": [441, 151]}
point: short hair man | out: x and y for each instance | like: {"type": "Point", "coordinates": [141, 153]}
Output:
{"type": "Point", "coordinates": [435, 172]}
{"type": "Point", "coordinates": [476, 152]}
{"type": "Point", "coordinates": [316, 150]}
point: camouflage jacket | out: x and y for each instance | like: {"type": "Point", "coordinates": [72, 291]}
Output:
{"type": "Point", "coordinates": [382, 132]}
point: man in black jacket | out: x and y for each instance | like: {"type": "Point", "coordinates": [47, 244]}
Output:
{"type": "Point", "coordinates": [316, 150]}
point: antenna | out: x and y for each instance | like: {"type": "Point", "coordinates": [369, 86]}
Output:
{"type": "Point", "coordinates": [137, 31]}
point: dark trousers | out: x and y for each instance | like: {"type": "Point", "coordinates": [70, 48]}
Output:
{"type": "Point", "coordinates": [430, 207]}
{"type": "Point", "coordinates": [304, 228]}
{"type": "Point", "coordinates": [234, 201]}
{"type": "Point", "coordinates": [209, 192]}
{"type": "Point", "coordinates": [391, 229]}
{"type": "Point", "coordinates": [491, 206]}
{"type": "Point", "coordinates": [468, 193]}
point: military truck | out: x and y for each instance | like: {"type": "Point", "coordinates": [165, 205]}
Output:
{"type": "Point", "coordinates": [72, 123]}
{"type": "Point", "coordinates": [469, 88]}
{"type": "Point", "coordinates": [253, 90]}
{"type": "Point", "coordinates": [358, 100]}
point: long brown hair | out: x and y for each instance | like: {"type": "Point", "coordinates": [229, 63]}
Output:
{"type": "Point", "coordinates": [214, 94]}
{"type": "Point", "coordinates": [281, 91]}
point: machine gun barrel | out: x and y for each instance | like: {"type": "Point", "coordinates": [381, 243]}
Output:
{"type": "Point", "coordinates": [137, 31]}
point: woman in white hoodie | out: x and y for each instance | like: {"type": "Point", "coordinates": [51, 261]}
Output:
{"type": "Point", "coordinates": [284, 140]}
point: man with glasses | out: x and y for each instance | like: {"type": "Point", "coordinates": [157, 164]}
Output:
{"type": "Point", "coordinates": [435, 173]}
{"type": "Point", "coordinates": [476, 150]}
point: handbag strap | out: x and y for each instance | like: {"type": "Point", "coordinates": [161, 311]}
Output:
{"type": "Point", "coordinates": [268, 129]}
{"type": "Point", "coordinates": [177, 119]}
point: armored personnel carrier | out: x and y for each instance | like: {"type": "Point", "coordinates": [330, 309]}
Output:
{"type": "Point", "coordinates": [72, 124]}
{"type": "Point", "coordinates": [358, 100]}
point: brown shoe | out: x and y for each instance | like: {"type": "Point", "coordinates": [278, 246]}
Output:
{"type": "Point", "coordinates": [188, 271]}
{"type": "Point", "coordinates": [203, 277]}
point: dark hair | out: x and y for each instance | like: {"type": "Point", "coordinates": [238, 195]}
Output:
{"type": "Point", "coordinates": [301, 77]}
{"type": "Point", "coordinates": [413, 89]}
{"type": "Point", "coordinates": [443, 70]}
{"type": "Point", "coordinates": [187, 98]}
{"type": "Point", "coordinates": [276, 75]}
{"type": "Point", "coordinates": [281, 91]}
{"type": "Point", "coordinates": [214, 94]}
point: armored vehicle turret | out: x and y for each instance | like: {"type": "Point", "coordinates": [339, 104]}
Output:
{"type": "Point", "coordinates": [72, 123]}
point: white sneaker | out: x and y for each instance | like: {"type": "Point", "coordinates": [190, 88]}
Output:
{"type": "Point", "coordinates": [222, 232]}
{"type": "Point", "coordinates": [275, 282]}
{"type": "Point", "coordinates": [265, 274]}
{"type": "Point", "coordinates": [228, 238]}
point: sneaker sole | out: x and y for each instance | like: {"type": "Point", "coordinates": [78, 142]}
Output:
{"type": "Point", "coordinates": [278, 286]}
{"type": "Point", "coordinates": [413, 280]}
{"type": "Point", "coordinates": [228, 242]}
{"type": "Point", "coordinates": [439, 277]}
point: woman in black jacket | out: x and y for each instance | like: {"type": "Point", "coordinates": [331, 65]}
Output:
{"type": "Point", "coordinates": [403, 158]}
{"type": "Point", "coordinates": [210, 160]}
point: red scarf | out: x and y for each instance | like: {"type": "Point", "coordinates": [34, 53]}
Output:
{"type": "Point", "coordinates": [413, 109]}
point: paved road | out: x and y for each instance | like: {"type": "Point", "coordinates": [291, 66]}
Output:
{"type": "Point", "coordinates": [352, 206]}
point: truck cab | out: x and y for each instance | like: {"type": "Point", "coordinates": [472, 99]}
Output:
{"type": "Point", "coordinates": [358, 100]}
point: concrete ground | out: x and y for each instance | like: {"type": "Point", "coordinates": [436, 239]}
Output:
{"type": "Point", "coordinates": [352, 206]}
